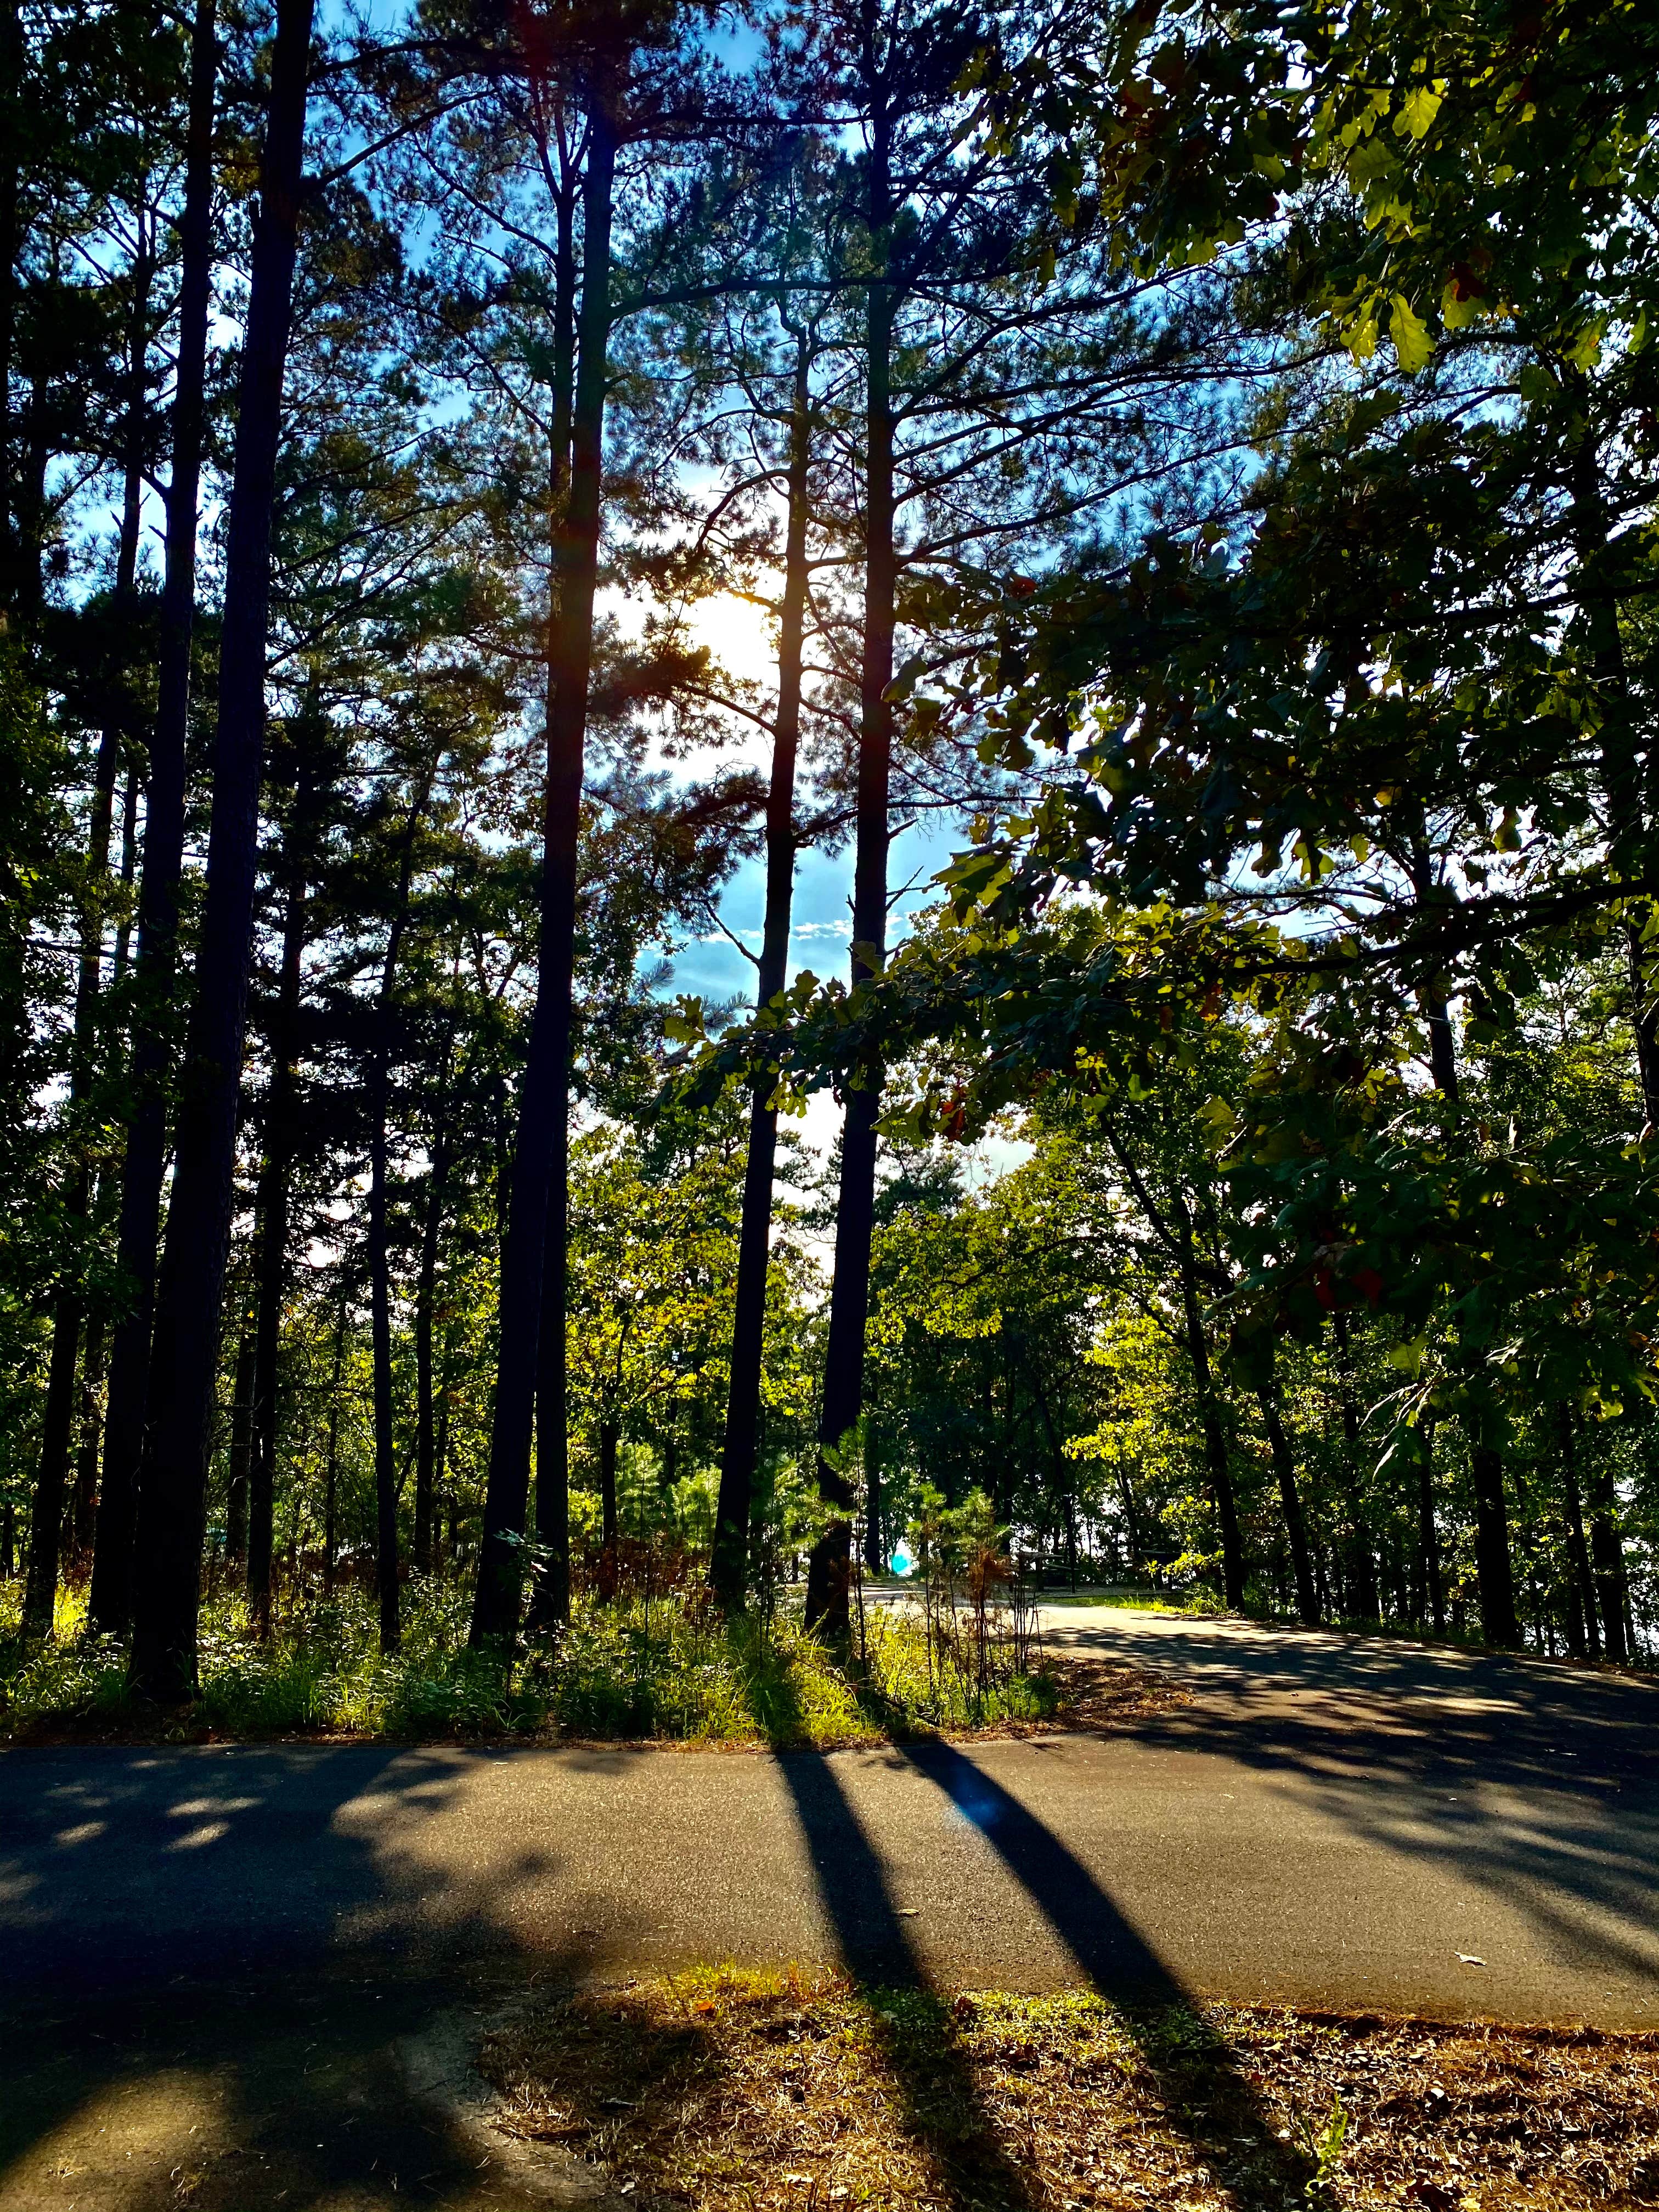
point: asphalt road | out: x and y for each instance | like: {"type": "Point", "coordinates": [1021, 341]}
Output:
{"type": "Point", "coordinates": [1338, 1822]}
{"type": "Point", "coordinates": [252, 1980]}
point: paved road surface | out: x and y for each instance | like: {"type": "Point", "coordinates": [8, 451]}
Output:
{"type": "Point", "coordinates": [249, 1979]}
{"type": "Point", "coordinates": [1328, 1820]}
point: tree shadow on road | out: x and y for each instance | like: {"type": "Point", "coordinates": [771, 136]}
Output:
{"type": "Point", "coordinates": [151, 2058]}
{"type": "Point", "coordinates": [1511, 1772]}
{"type": "Point", "coordinates": [1199, 2086]}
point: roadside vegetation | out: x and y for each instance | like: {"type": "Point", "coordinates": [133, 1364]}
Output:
{"type": "Point", "coordinates": [726, 2089]}
{"type": "Point", "coordinates": [646, 1655]}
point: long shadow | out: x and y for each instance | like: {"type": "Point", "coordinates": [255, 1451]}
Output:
{"type": "Point", "coordinates": [219, 1956]}
{"type": "Point", "coordinates": [1122, 1964]}
{"type": "Point", "coordinates": [941, 2098]}
{"type": "Point", "coordinates": [1194, 2073]}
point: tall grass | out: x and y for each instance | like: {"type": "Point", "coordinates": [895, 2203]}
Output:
{"type": "Point", "coordinates": [637, 1667]}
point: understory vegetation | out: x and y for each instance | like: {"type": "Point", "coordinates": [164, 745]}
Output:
{"type": "Point", "coordinates": [629, 1665]}
{"type": "Point", "coordinates": [729, 2089]}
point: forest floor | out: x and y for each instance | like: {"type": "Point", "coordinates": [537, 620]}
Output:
{"type": "Point", "coordinates": [716, 2090]}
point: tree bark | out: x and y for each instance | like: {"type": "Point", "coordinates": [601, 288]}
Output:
{"type": "Point", "coordinates": [829, 1567]}
{"type": "Point", "coordinates": [425, 1300]}
{"type": "Point", "coordinates": [331, 1471]}
{"type": "Point", "coordinates": [380, 1263]}
{"type": "Point", "coordinates": [241, 1449]}
{"type": "Point", "coordinates": [1493, 1573]}
{"type": "Point", "coordinates": [1577, 1549]}
{"type": "Point", "coordinates": [1607, 1556]}
{"type": "Point", "coordinates": [1367, 1605]}
{"type": "Point", "coordinates": [1215, 1440]}
{"type": "Point", "coordinates": [1289, 1497]}
{"type": "Point", "coordinates": [731, 1548]}
{"type": "Point", "coordinates": [57, 1422]}
{"type": "Point", "coordinates": [84, 1512]}
{"type": "Point", "coordinates": [550, 1603]}
{"type": "Point", "coordinates": [276, 1177]}
{"type": "Point", "coordinates": [609, 1524]}
{"type": "Point", "coordinates": [532, 1282]}
{"type": "Point", "coordinates": [45, 1530]}
{"type": "Point", "coordinates": [111, 1601]}
{"type": "Point", "coordinates": [1428, 1537]}
{"type": "Point", "coordinates": [168, 1548]}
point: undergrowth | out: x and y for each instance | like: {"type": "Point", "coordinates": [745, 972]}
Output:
{"type": "Point", "coordinates": [661, 1668]}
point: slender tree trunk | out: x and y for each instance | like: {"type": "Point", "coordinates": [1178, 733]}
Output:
{"type": "Point", "coordinates": [1432, 893]}
{"type": "Point", "coordinates": [168, 1549]}
{"type": "Point", "coordinates": [129, 798]}
{"type": "Point", "coordinates": [533, 1286]}
{"type": "Point", "coordinates": [731, 1549]}
{"type": "Point", "coordinates": [275, 1178]}
{"type": "Point", "coordinates": [380, 1263]}
{"type": "Point", "coordinates": [609, 1525]}
{"type": "Point", "coordinates": [110, 1602]}
{"type": "Point", "coordinates": [1428, 1536]}
{"type": "Point", "coordinates": [46, 1526]}
{"type": "Point", "coordinates": [1289, 1497]}
{"type": "Point", "coordinates": [241, 1449]}
{"type": "Point", "coordinates": [46, 1510]}
{"type": "Point", "coordinates": [829, 1567]}
{"type": "Point", "coordinates": [550, 1603]}
{"type": "Point", "coordinates": [331, 1468]}
{"type": "Point", "coordinates": [1607, 1556]}
{"type": "Point", "coordinates": [83, 1516]}
{"type": "Point", "coordinates": [57, 1422]}
{"type": "Point", "coordinates": [425, 1299]}
{"type": "Point", "coordinates": [1600, 579]}
{"type": "Point", "coordinates": [1577, 1549]}
{"type": "Point", "coordinates": [875, 1552]}
{"type": "Point", "coordinates": [1493, 1572]}
{"type": "Point", "coordinates": [1367, 1604]}
{"type": "Point", "coordinates": [7, 1542]}
{"type": "Point", "coordinates": [1215, 1440]}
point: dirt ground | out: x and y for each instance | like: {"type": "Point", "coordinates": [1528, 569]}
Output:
{"type": "Point", "coordinates": [717, 2090]}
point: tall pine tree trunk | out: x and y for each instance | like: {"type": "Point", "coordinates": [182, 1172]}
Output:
{"type": "Point", "coordinates": [45, 1528]}
{"type": "Point", "coordinates": [386, 1568]}
{"type": "Point", "coordinates": [241, 1450]}
{"type": "Point", "coordinates": [168, 1547]}
{"type": "Point", "coordinates": [829, 1568]}
{"type": "Point", "coordinates": [425, 1301]}
{"type": "Point", "coordinates": [550, 1603]}
{"type": "Point", "coordinates": [57, 1421]}
{"type": "Point", "coordinates": [731, 1550]}
{"type": "Point", "coordinates": [275, 1178]}
{"type": "Point", "coordinates": [532, 1283]}
{"type": "Point", "coordinates": [110, 1602]}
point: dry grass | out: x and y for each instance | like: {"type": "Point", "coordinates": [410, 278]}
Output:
{"type": "Point", "coordinates": [722, 2090]}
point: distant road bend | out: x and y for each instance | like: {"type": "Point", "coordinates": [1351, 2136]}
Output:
{"type": "Point", "coordinates": [1334, 1822]}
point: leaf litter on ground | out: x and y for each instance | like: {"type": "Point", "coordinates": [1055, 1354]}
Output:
{"type": "Point", "coordinates": [721, 2089]}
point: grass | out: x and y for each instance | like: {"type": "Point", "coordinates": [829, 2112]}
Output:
{"type": "Point", "coordinates": [726, 2090]}
{"type": "Point", "coordinates": [666, 1670]}
{"type": "Point", "coordinates": [1200, 1606]}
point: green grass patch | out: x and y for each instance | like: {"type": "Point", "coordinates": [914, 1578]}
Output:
{"type": "Point", "coordinates": [667, 1670]}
